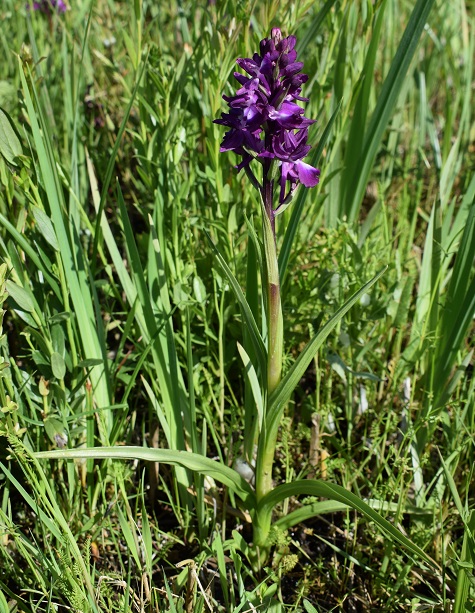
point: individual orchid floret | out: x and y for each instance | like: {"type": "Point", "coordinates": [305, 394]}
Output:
{"type": "Point", "coordinates": [289, 148]}
{"type": "Point", "coordinates": [265, 122]}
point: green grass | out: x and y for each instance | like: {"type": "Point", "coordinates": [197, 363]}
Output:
{"type": "Point", "coordinates": [122, 327]}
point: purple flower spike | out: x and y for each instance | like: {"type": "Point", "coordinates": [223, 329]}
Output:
{"type": "Point", "coordinates": [265, 122]}
{"type": "Point", "coordinates": [50, 6]}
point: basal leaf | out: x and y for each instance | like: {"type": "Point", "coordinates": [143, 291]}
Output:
{"type": "Point", "coordinates": [192, 461]}
{"type": "Point", "coordinates": [340, 494]}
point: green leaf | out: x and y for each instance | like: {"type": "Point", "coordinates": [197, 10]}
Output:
{"type": "Point", "coordinates": [401, 317]}
{"type": "Point", "coordinates": [21, 296]}
{"type": "Point", "coordinates": [456, 498]}
{"type": "Point", "coordinates": [147, 539]}
{"type": "Point", "coordinates": [314, 28]}
{"type": "Point", "coordinates": [112, 162]}
{"type": "Point", "coordinates": [57, 339]}
{"type": "Point", "coordinates": [32, 254]}
{"type": "Point", "coordinates": [74, 260]}
{"type": "Point", "coordinates": [192, 461]}
{"type": "Point", "coordinates": [10, 146]}
{"type": "Point", "coordinates": [457, 315]}
{"type": "Point", "coordinates": [254, 383]}
{"type": "Point", "coordinates": [307, 511]}
{"type": "Point", "coordinates": [460, 372]}
{"type": "Point", "coordinates": [357, 129]}
{"type": "Point", "coordinates": [4, 608]}
{"type": "Point", "coordinates": [158, 410]}
{"type": "Point", "coordinates": [58, 365]}
{"type": "Point", "coordinates": [309, 607]}
{"type": "Point", "coordinates": [199, 289]}
{"type": "Point", "coordinates": [384, 107]}
{"type": "Point", "coordinates": [45, 226]}
{"type": "Point", "coordinates": [248, 317]}
{"type": "Point", "coordinates": [466, 565]}
{"type": "Point", "coordinates": [48, 523]}
{"type": "Point", "coordinates": [240, 543]}
{"type": "Point", "coordinates": [340, 494]}
{"type": "Point", "coordinates": [89, 363]}
{"type": "Point", "coordinates": [129, 538]}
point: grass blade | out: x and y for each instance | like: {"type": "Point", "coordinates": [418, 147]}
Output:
{"type": "Point", "coordinates": [460, 303]}
{"type": "Point", "coordinates": [248, 317]}
{"type": "Point", "coordinates": [74, 263]}
{"type": "Point", "coordinates": [384, 107]}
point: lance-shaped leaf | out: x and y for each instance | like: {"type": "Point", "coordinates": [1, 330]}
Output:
{"type": "Point", "coordinates": [283, 392]}
{"type": "Point", "coordinates": [248, 317]}
{"type": "Point", "coordinates": [192, 461]}
{"type": "Point", "coordinates": [339, 494]}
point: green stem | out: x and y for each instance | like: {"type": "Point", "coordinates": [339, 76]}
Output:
{"type": "Point", "coordinates": [275, 327]}
{"type": "Point", "coordinates": [275, 332]}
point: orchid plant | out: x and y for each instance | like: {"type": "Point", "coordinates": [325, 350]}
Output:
{"type": "Point", "coordinates": [267, 125]}
{"type": "Point", "coordinates": [268, 130]}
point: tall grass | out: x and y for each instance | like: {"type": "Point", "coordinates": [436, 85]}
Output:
{"type": "Point", "coordinates": [122, 329]}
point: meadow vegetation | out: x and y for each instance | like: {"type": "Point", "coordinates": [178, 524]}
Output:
{"type": "Point", "coordinates": [134, 313]}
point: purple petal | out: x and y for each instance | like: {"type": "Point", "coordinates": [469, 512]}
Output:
{"type": "Point", "coordinates": [267, 154]}
{"type": "Point", "coordinates": [248, 65]}
{"type": "Point", "coordinates": [241, 78]}
{"type": "Point", "coordinates": [266, 65]}
{"type": "Point", "coordinates": [232, 140]}
{"type": "Point", "coordinates": [267, 102]}
{"type": "Point", "coordinates": [252, 141]}
{"type": "Point", "coordinates": [291, 42]}
{"type": "Point", "coordinates": [232, 119]}
{"type": "Point", "coordinates": [291, 69]}
{"type": "Point", "coordinates": [288, 116]}
{"type": "Point", "coordinates": [308, 175]}
{"type": "Point", "coordinates": [245, 161]}
{"type": "Point", "coordinates": [300, 98]}
{"type": "Point", "coordinates": [284, 171]}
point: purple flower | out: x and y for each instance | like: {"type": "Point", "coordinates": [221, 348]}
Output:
{"type": "Point", "coordinates": [265, 122]}
{"type": "Point", "coordinates": [50, 6]}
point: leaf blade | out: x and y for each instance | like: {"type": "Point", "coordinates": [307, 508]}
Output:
{"type": "Point", "coordinates": [187, 459]}
{"type": "Point", "coordinates": [282, 394]}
